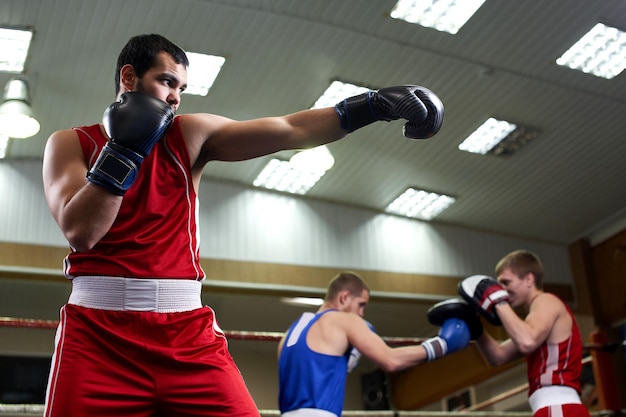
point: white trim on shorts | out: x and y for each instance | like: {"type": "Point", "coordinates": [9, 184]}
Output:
{"type": "Point", "coordinates": [136, 294]}
{"type": "Point", "coordinates": [308, 412]}
{"type": "Point", "coordinates": [553, 395]}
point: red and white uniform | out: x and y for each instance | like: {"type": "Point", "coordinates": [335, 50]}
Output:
{"type": "Point", "coordinates": [554, 377]}
{"type": "Point", "coordinates": [134, 339]}
{"type": "Point", "coordinates": [156, 232]}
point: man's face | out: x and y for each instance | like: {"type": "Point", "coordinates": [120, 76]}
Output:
{"type": "Point", "coordinates": [165, 81]}
{"type": "Point", "coordinates": [356, 304]}
{"type": "Point", "coordinates": [517, 287]}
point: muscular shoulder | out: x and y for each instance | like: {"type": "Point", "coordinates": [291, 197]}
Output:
{"type": "Point", "coordinates": [551, 301]}
{"type": "Point", "coordinates": [198, 129]}
{"type": "Point", "coordinates": [329, 334]}
{"type": "Point", "coordinates": [552, 312]}
{"type": "Point", "coordinates": [547, 307]}
{"type": "Point", "coordinates": [62, 142]}
{"type": "Point", "coordinates": [63, 135]}
{"type": "Point", "coordinates": [341, 321]}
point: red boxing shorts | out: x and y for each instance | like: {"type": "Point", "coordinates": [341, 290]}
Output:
{"type": "Point", "coordinates": [143, 364]}
{"type": "Point", "coordinates": [563, 410]}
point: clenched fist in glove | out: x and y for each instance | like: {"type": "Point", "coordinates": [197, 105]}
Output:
{"type": "Point", "coordinates": [454, 335]}
{"type": "Point", "coordinates": [483, 293]}
{"type": "Point", "coordinates": [419, 106]}
{"type": "Point", "coordinates": [134, 124]}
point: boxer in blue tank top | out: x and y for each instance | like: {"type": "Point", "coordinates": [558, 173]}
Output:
{"type": "Point", "coordinates": [314, 355]}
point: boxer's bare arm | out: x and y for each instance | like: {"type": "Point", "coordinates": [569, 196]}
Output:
{"type": "Point", "coordinates": [84, 211]}
{"type": "Point", "coordinates": [497, 353]}
{"type": "Point", "coordinates": [210, 137]}
{"type": "Point", "coordinates": [536, 328]}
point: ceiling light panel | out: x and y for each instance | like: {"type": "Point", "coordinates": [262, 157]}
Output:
{"type": "Point", "coordinates": [420, 204]}
{"type": "Point", "coordinates": [499, 138]}
{"type": "Point", "coordinates": [601, 52]}
{"type": "Point", "coordinates": [488, 135]}
{"type": "Point", "coordinates": [203, 70]}
{"type": "Point", "coordinates": [442, 15]}
{"type": "Point", "coordinates": [14, 46]}
{"type": "Point", "coordinates": [313, 160]}
{"type": "Point", "coordinates": [282, 176]}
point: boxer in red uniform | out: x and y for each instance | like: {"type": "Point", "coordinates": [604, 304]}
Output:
{"type": "Point", "coordinates": [548, 336]}
{"type": "Point", "coordinates": [134, 338]}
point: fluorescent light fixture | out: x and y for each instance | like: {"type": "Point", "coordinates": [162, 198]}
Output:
{"type": "Point", "coordinates": [601, 52]}
{"type": "Point", "coordinates": [488, 135]}
{"type": "Point", "coordinates": [300, 174]}
{"type": "Point", "coordinates": [302, 301]}
{"type": "Point", "coordinates": [4, 146]}
{"type": "Point", "coordinates": [499, 138]}
{"type": "Point", "coordinates": [336, 92]}
{"type": "Point", "coordinates": [283, 176]}
{"type": "Point", "coordinates": [420, 204]}
{"type": "Point", "coordinates": [514, 141]}
{"type": "Point", "coordinates": [16, 116]}
{"type": "Point", "coordinates": [14, 45]}
{"type": "Point", "coordinates": [442, 15]}
{"type": "Point", "coordinates": [313, 160]}
{"type": "Point", "coordinates": [203, 70]}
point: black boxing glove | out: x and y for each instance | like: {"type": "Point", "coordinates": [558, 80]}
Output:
{"type": "Point", "coordinates": [422, 109]}
{"type": "Point", "coordinates": [459, 309]}
{"type": "Point", "coordinates": [134, 124]}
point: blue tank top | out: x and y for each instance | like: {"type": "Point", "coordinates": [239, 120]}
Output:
{"type": "Point", "coordinates": [308, 379]}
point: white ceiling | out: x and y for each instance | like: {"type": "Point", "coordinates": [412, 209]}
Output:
{"type": "Point", "coordinates": [282, 54]}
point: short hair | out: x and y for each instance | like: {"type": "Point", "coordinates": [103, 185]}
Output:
{"type": "Point", "coordinates": [346, 281]}
{"type": "Point", "coordinates": [141, 52]}
{"type": "Point", "coordinates": [522, 262]}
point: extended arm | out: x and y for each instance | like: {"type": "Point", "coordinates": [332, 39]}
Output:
{"type": "Point", "coordinates": [214, 138]}
{"type": "Point", "coordinates": [374, 347]}
{"type": "Point", "coordinates": [454, 335]}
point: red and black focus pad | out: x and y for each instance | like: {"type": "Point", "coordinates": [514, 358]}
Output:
{"type": "Point", "coordinates": [458, 309]}
{"type": "Point", "coordinates": [483, 293]}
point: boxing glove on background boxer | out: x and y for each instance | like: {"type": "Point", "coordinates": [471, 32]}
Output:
{"type": "Point", "coordinates": [483, 293]}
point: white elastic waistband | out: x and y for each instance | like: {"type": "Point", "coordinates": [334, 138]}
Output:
{"type": "Point", "coordinates": [134, 294]}
{"type": "Point", "coordinates": [308, 412]}
{"type": "Point", "coordinates": [553, 395]}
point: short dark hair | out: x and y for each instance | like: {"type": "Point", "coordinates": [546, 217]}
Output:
{"type": "Point", "coordinates": [522, 262]}
{"type": "Point", "coordinates": [141, 52]}
{"type": "Point", "coordinates": [346, 281]}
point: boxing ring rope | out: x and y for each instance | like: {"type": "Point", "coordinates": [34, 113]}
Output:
{"type": "Point", "coordinates": [268, 336]}
{"type": "Point", "coordinates": [230, 334]}
{"type": "Point", "coordinates": [24, 410]}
